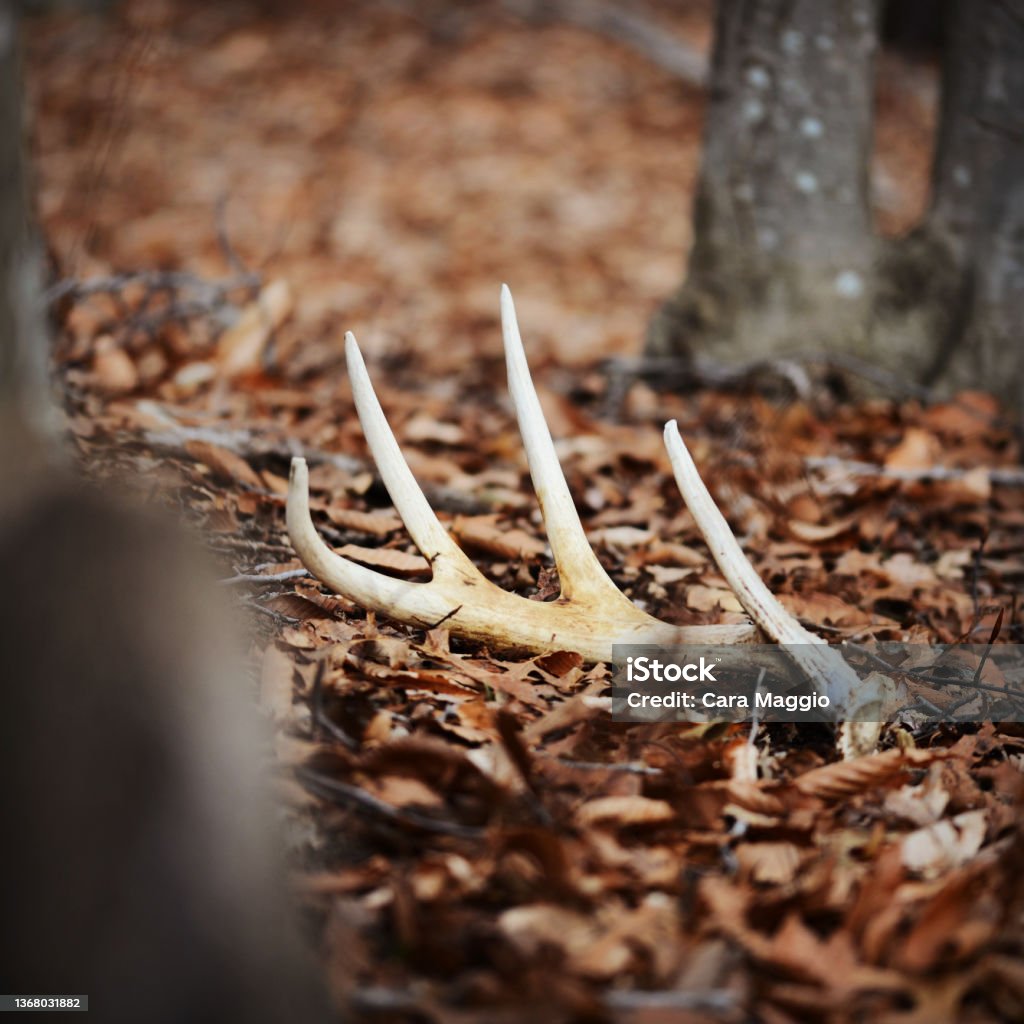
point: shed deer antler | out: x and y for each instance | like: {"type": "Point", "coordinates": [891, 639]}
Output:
{"type": "Point", "coordinates": [592, 613]}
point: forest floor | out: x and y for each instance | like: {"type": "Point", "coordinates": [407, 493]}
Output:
{"type": "Point", "coordinates": [224, 191]}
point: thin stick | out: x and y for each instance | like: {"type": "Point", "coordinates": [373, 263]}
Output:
{"type": "Point", "coordinates": [255, 577]}
{"type": "Point", "coordinates": [1001, 476]}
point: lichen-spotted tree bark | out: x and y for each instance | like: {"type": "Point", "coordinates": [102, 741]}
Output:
{"type": "Point", "coordinates": [977, 215]}
{"type": "Point", "coordinates": [785, 258]}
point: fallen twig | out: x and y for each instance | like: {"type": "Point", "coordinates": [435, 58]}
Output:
{"type": "Point", "coordinates": [207, 293]}
{"type": "Point", "coordinates": [344, 793]}
{"type": "Point", "coordinates": [255, 577]}
{"type": "Point", "coordinates": [623, 26]}
{"type": "Point", "coordinates": [1001, 476]}
{"type": "Point", "coordinates": [713, 1000]}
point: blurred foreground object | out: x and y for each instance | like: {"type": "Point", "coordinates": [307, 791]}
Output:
{"type": "Point", "coordinates": [786, 258]}
{"type": "Point", "coordinates": [140, 862]}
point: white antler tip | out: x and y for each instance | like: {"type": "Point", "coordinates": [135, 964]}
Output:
{"type": "Point", "coordinates": [357, 374]}
{"type": "Point", "coordinates": [508, 309]}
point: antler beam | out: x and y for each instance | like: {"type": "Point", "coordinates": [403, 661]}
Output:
{"type": "Point", "coordinates": [591, 614]}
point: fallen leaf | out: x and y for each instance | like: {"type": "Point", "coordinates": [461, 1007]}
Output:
{"type": "Point", "coordinates": [240, 347]}
{"type": "Point", "coordinates": [425, 428]}
{"type": "Point", "coordinates": [380, 524]}
{"type": "Point", "coordinates": [483, 533]}
{"type": "Point", "coordinates": [112, 368]}
{"type": "Point", "coordinates": [817, 532]}
{"type": "Point", "coordinates": [224, 463]}
{"type": "Point", "coordinates": [969, 415]}
{"type": "Point", "coordinates": [769, 863]}
{"type": "Point", "coordinates": [559, 663]}
{"type": "Point", "coordinates": [400, 563]}
{"type": "Point", "coordinates": [918, 449]}
{"type": "Point", "coordinates": [618, 537]}
{"type": "Point", "coordinates": [937, 848]}
{"type": "Point", "coordinates": [708, 599]}
{"type": "Point", "coordinates": [845, 778]}
{"type": "Point", "coordinates": [625, 810]}
{"type": "Point", "coordinates": [825, 608]}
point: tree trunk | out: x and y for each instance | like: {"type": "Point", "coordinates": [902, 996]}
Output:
{"type": "Point", "coordinates": [977, 211]}
{"type": "Point", "coordinates": [783, 250]}
{"type": "Point", "coordinates": [784, 256]}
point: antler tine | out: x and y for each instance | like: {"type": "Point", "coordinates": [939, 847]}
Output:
{"type": "Point", "coordinates": [433, 540]}
{"type": "Point", "coordinates": [825, 668]}
{"type": "Point", "coordinates": [411, 602]}
{"type": "Point", "coordinates": [580, 573]}
{"type": "Point", "coordinates": [589, 618]}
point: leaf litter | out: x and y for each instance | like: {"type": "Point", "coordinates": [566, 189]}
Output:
{"type": "Point", "coordinates": [476, 840]}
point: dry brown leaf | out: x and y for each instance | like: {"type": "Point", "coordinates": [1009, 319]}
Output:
{"type": "Point", "coordinates": [295, 606]}
{"type": "Point", "coordinates": [601, 945]}
{"type": "Point", "coordinates": [274, 483]}
{"type": "Point", "coordinates": [240, 347]}
{"type": "Point", "coordinates": [903, 569]}
{"type": "Point", "coordinates": [650, 930]}
{"type": "Point", "coordinates": [668, 553]}
{"type": "Point", "coordinates": [483, 533]}
{"type": "Point", "coordinates": [392, 651]}
{"type": "Point", "coordinates": [535, 927]}
{"type": "Point", "coordinates": [918, 449]}
{"type": "Point", "coordinates": [815, 532]}
{"type": "Point", "coordinates": [951, 564]}
{"type": "Point", "coordinates": [847, 778]}
{"type": "Point", "coordinates": [193, 376]}
{"type": "Point", "coordinates": [956, 919]}
{"type": "Point", "coordinates": [380, 524]}
{"type": "Point", "coordinates": [805, 508]}
{"type": "Point", "coordinates": [769, 863]}
{"type": "Point", "coordinates": [400, 563]}
{"type": "Point", "coordinates": [224, 463]}
{"type": "Point", "coordinates": [827, 609]}
{"type": "Point", "coordinates": [559, 663]}
{"type": "Point", "coordinates": [708, 599]}
{"type": "Point", "coordinates": [973, 487]}
{"type": "Point", "coordinates": [946, 844]}
{"type": "Point", "coordinates": [299, 637]}
{"type": "Point", "coordinates": [755, 797]}
{"type": "Point", "coordinates": [621, 537]}
{"type": "Point", "coordinates": [425, 428]}
{"type": "Point", "coordinates": [566, 714]}
{"type": "Point", "coordinates": [854, 562]}
{"type": "Point", "coordinates": [625, 810]}
{"type": "Point", "coordinates": [968, 416]}
{"type": "Point", "coordinates": [402, 791]}
{"type": "Point", "coordinates": [667, 575]}
{"type": "Point", "coordinates": [112, 367]}
{"type": "Point", "coordinates": [793, 948]}
{"type": "Point", "coordinates": [923, 804]}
